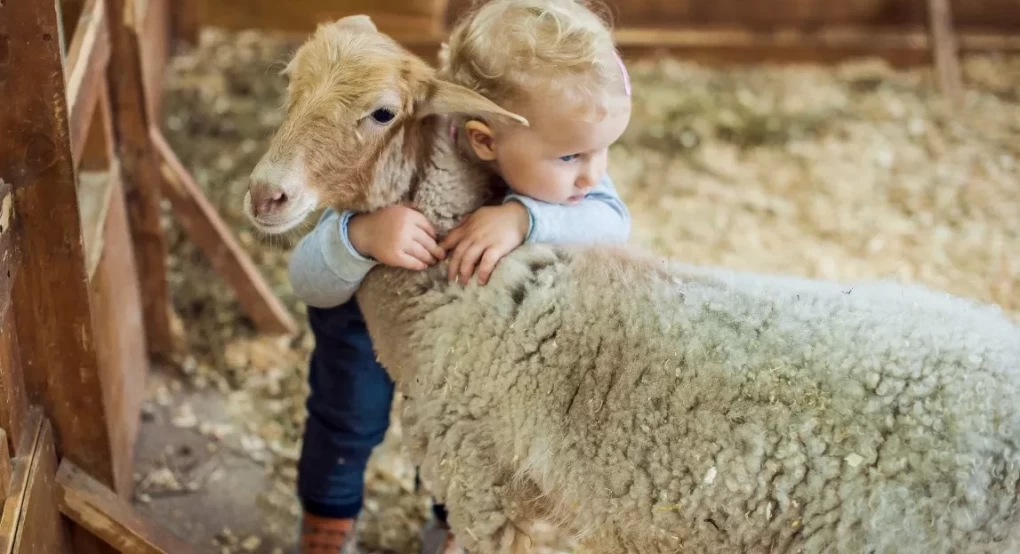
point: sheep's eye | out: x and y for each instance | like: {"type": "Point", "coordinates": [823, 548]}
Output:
{"type": "Point", "coordinates": [382, 115]}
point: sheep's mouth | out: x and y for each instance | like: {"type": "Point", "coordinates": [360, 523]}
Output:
{"type": "Point", "coordinates": [281, 222]}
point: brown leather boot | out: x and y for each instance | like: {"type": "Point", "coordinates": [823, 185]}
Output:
{"type": "Point", "coordinates": [323, 535]}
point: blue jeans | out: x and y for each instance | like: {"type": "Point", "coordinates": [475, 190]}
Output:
{"type": "Point", "coordinates": [348, 413]}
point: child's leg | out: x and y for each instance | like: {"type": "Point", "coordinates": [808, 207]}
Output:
{"type": "Point", "coordinates": [348, 414]}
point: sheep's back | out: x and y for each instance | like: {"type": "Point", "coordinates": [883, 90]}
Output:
{"type": "Point", "coordinates": [764, 413]}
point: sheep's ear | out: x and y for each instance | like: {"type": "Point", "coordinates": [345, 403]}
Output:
{"type": "Point", "coordinates": [448, 98]}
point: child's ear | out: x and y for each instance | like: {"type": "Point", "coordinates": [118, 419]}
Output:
{"type": "Point", "coordinates": [482, 140]}
{"type": "Point", "coordinates": [448, 98]}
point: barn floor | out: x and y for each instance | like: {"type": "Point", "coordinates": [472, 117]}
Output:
{"type": "Point", "coordinates": [851, 172]}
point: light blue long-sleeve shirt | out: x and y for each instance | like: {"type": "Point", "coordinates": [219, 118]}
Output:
{"type": "Point", "coordinates": [325, 270]}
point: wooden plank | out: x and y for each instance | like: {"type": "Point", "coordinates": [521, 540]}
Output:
{"type": "Point", "coordinates": [70, 13]}
{"type": "Point", "coordinates": [185, 24]}
{"type": "Point", "coordinates": [99, 510]}
{"type": "Point", "coordinates": [421, 16]}
{"type": "Point", "coordinates": [8, 245]}
{"type": "Point", "coordinates": [13, 400]}
{"type": "Point", "coordinates": [120, 333]}
{"type": "Point", "coordinates": [51, 299]}
{"type": "Point", "coordinates": [87, 56]}
{"type": "Point", "coordinates": [206, 229]}
{"type": "Point", "coordinates": [155, 17]}
{"type": "Point", "coordinates": [947, 61]}
{"type": "Point", "coordinates": [14, 504]}
{"type": "Point", "coordinates": [42, 529]}
{"type": "Point", "coordinates": [140, 165]}
{"type": "Point", "coordinates": [828, 45]}
{"type": "Point", "coordinates": [1003, 15]}
{"type": "Point", "coordinates": [5, 466]}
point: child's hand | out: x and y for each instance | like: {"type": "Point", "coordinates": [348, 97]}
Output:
{"type": "Point", "coordinates": [483, 238]}
{"type": "Point", "coordinates": [397, 236]}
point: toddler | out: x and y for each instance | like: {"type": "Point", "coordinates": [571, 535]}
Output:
{"type": "Point", "coordinates": [553, 62]}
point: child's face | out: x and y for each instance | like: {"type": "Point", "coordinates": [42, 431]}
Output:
{"type": "Point", "coordinates": [561, 156]}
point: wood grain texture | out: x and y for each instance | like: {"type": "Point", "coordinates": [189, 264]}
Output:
{"type": "Point", "coordinates": [120, 333]}
{"type": "Point", "coordinates": [42, 529]}
{"type": "Point", "coordinates": [156, 25]}
{"type": "Point", "coordinates": [206, 229]}
{"type": "Point", "coordinates": [84, 71]}
{"type": "Point", "coordinates": [14, 503]}
{"type": "Point", "coordinates": [140, 169]}
{"type": "Point", "coordinates": [13, 401]}
{"type": "Point", "coordinates": [51, 300]}
{"type": "Point", "coordinates": [99, 510]}
{"type": "Point", "coordinates": [400, 16]}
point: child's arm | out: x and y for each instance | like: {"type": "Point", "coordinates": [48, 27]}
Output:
{"type": "Point", "coordinates": [490, 233]}
{"type": "Point", "coordinates": [600, 217]}
{"type": "Point", "coordinates": [328, 264]}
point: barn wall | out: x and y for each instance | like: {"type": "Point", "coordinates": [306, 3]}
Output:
{"type": "Point", "coordinates": [762, 15]}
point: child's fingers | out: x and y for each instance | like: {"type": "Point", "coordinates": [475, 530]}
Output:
{"type": "Point", "coordinates": [430, 244]}
{"type": "Point", "coordinates": [408, 261]}
{"type": "Point", "coordinates": [419, 252]}
{"type": "Point", "coordinates": [455, 260]}
{"type": "Point", "coordinates": [453, 238]}
{"type": "Point", "coordinates": [470, 260]}
{"type": "Point", "coordinates": [491, 257]}
{"type": "Point", "coordinates": [424, 224]}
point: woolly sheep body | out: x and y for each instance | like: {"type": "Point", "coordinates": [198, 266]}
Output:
{"type": "Point", "coordinates": [650, 407]}
{"type": "Point", "coordinates": [646, 406]}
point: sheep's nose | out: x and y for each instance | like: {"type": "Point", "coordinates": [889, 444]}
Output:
{"type": "Point", "coordinates": [266, 200]}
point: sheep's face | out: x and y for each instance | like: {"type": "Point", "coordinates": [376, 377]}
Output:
{"type": "Point", "coordinates": [354, 128]}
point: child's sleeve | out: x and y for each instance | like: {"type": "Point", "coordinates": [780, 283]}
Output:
{"type": "Point", "coordinates": [325, 270]}
{"type": "Point", "coordinates": [600, 217]}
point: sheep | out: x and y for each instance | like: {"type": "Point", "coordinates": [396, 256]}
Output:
{"type": "Point", "coordinates": [641, 404]}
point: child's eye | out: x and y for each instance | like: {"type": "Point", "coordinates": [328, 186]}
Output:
{"type": "Point", "coordinates": [382, 115]}
{"type": "Point", "coordinates": [569, 158]}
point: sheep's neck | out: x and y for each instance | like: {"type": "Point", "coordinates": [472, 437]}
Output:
{"type": "Point", "coordinates": [450, 184]}
{"type": "Point", "coordinates": [445, 185]}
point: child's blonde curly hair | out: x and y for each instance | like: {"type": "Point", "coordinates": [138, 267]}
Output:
{"type": "Point", "coordinates": [512, 51]}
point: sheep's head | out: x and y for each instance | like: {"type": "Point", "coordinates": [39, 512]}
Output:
{"type": "Point", "coordinates": [355, 127]}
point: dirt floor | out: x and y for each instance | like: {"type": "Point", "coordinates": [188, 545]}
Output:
{"type": "Point", "coordinates": [850, 172]}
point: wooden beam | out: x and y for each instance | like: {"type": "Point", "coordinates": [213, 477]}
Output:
{"type": "Point", "coordinates": [120, 335]}
{"type": "Point", "coordinates": [85, 68]}
{"type": "Point", "coordinates": [206, 229]}
{"type": "Point", "coordinates": [13, 507]}
{"type": "Point", "coordinates": [185, 26]}
{"type": "Point", "coordinates": [13, 401]}
{"type": "Point", "coordinates": [99, 510]}
{"type": "Point", "coordinates": [946, 53]}
{"type": "Point", "coordinates": [155, 49]}
{"type": "Point", "coordinates": [51, 298]}
{"type": "Point", "coordinates": [12, 385]}
{"type": "Point", "coordinates": [140, 165]}
{"type": "Point", "coordinates": [38, 527]}
{"type": "Point", "coordinates": [832, 44]}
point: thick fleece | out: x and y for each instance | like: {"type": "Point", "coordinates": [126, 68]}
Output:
{"type": "Point", "coordinates": [646, 406]}
{"type": "Point", "coordinates": [704, 410]}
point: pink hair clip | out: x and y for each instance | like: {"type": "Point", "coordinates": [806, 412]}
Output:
{"type": "Point", "coordinates": [623, 69]}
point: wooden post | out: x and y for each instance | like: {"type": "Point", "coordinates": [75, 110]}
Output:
{"type": "Point", "coordinates": [946, 52]}
{"type": "Point", "coordinates": [140, 169]}
{"type": "Point", "coordinates": [31, 522]}
{"type": "Point", "coordinates": [13, 401]}
{"type": "Point", "coordinates": [98, 509]}
{"type": "Point", "coordinates": [51, 296]}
